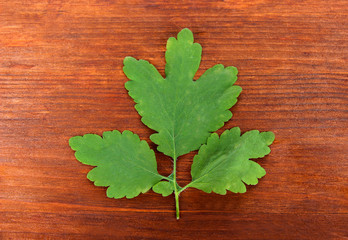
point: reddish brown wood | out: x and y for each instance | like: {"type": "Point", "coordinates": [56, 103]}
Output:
{"type": "Point", "coordinates": [61, 76]}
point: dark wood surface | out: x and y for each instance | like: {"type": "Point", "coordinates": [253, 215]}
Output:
{"type": "Point", "coordinates": [61, 76]}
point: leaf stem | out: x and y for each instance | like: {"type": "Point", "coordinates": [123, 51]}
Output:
{"type": "Point", "coordinates": [177, 205]}
{"type": "Point", "coordinates": [176, 192]}
{"type": "Point", "coordinates": [183, 188]}
{"type": "Point", "coordinates": [166, 178]}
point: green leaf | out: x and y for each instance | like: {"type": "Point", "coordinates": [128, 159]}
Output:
{"type": "Point", "coordinates": [124, 164]}
{"type": "Point", "coordinates": [164, 187]}
{"type": "Point", "coordinates": [223, 163]}
{"type": "Point", "coordinates": [182, 111]}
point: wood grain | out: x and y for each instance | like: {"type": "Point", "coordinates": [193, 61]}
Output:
{"type": "Point", "coordinates": [61, 76]}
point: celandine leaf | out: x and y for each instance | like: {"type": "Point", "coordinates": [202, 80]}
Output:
{"type": "Point", "coordinates": [183, 112]}
{"type": "Point", "coordinates": [124, 164]}
{"type": "Point", "coordinates": [223, 163]}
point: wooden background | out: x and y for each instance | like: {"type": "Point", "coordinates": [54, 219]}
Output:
{"type": "Point", "coordinates": [61, 76]}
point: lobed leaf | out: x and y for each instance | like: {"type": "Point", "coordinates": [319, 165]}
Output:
{"type": "Point", "coordinates": [124, 164]}
{"type": "Point", "coordinates": [182, 111]}
{"type": "Point", "coordinates": [224, 163]}
{"type": "Point", "coordinates": [164, 187]}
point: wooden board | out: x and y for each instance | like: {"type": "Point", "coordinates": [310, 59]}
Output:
{"type": "Point", "coordinates": [61, 76]}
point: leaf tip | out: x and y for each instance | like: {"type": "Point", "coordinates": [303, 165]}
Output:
{"type": "Point", "coordinates": [237, 89]}
{"type": "Point", "coordinates": [74, 142]}
{"type": "Point", "coordinates": [233, 69]}
{"type": "Point", "coordinates": [185, 35]}
{"type": "Point", "coordinates": [268, 137]}
{"type": "Point", "coordinates": [236, 130]}
{"type": "Point", "coordinates": [128, 59]}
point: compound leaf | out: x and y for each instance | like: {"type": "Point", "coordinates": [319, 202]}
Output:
{"type": "Point", "coordinates": [184, 112]}
{"type": "Point", "coordinates": [223, 163]}
{"type": "Point", "coordinates": [124, 164]}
